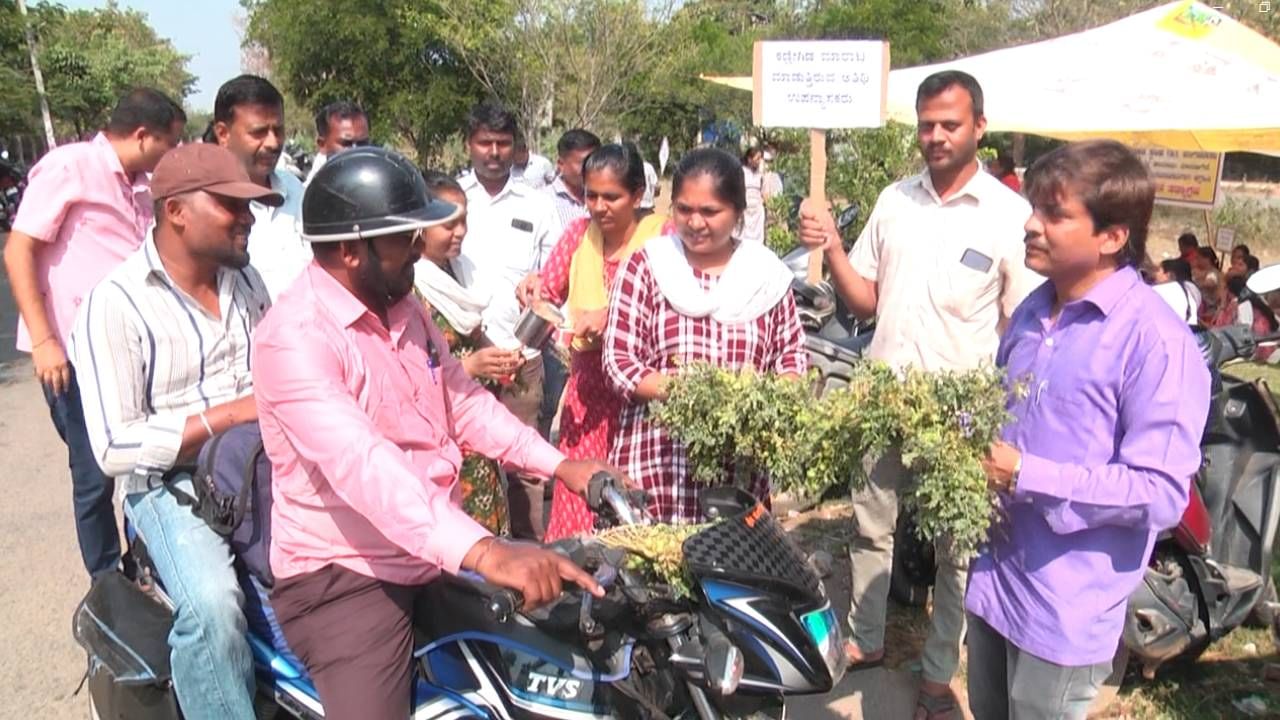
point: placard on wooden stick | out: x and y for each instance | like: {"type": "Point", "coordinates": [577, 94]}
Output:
{"type": "Point", "coordinates": [820, 85]}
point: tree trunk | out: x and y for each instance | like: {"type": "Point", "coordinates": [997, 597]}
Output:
{"type": "Point", "coordinates": [35, 71]}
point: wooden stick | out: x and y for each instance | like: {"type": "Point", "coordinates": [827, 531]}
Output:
{"type": "Point", "coordinates": [817, 192]}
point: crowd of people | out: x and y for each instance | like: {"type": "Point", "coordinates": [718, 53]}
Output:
{"type": "Point", "coordinates": [1204, 293]}
{"type": "Point", "coordinates": [367, 322]}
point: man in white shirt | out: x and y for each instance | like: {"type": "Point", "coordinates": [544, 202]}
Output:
{"type": "Point", "coordinates": [530, 168]}
{"type": "Point", "coordinates": [339, 125]}
{"type": "Point", "coordinates": [161, 347]}
{"type": "Point", "coordinates": [940, 266]}
{"type": "Point", "coordinates": [248, 120]}
{"type": "Point", "coordinates": [772, 180]}
{"type": "Point", "coordinates": [511, 231]}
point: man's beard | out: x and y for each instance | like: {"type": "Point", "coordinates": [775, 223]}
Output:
{"type": "Point", "coordinates": [375, 283]}
{"type": "Point", "coordinates": [231, 256]}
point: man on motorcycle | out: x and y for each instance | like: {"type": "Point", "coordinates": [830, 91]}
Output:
{"type": "Point", "coordinates": [364, 414]}
{"type": "Point", "coordinates": [1102, 448]}
{"type": "Point", "coordinates": [939, 266]}
{"type": "Point", "coordinates": [161, 351]}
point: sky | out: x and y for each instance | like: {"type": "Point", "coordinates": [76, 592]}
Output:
{"type": "Point", "coordinates": [208, 35]}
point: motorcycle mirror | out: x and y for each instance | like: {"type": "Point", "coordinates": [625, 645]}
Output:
{"type": "Point", "coordinates": [848, 217]}
{"type": "Point", "coordinates": [1265, 280]}
{"type": "Point", "coordinates": [722, 665]}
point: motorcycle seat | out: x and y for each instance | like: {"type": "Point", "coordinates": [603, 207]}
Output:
{"type": "Point", "coordinates": [275, 661]}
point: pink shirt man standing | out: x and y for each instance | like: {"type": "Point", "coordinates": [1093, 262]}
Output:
{"type": "Point", "coordinates": [363, 414]}
{"type": "Point", "coordinates": [87, 207]}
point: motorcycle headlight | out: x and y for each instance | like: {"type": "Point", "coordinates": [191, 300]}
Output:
{"type": "Point", "coordinates": [824, 630]}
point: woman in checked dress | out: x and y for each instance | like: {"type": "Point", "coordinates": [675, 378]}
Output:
{"type": "Point", "coordinates": [697, 295]}
{"type": "Point", "coordinates": [578, 274]}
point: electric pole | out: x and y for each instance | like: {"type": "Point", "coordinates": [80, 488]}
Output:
{"type": "Point", "coordinates": [35, 70]}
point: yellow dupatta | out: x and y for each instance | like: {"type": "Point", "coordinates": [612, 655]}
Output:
{"type": "Point", "coordinates": [587, 290]}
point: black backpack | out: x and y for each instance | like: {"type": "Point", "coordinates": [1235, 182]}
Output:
{"type": "Point", "coordinates": [232, 482]}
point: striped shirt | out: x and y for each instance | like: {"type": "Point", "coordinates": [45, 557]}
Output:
{"type": "Point", "coordinates": [568, 207]}
{"type": "Point", "coordinates": [148, 356]}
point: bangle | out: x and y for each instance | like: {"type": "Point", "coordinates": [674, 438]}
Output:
{"type": "Point", "coordinates": [1017, 470]}
{"type": "Point", "coordinates": [47, 339]}
{"type": "Point", "coordinates": [205, 422]}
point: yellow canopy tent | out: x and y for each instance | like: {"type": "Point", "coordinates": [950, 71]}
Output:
{"type": "Point", "coordinates": [1182, 76]}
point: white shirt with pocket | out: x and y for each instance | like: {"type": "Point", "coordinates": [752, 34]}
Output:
{"type": "Point", "coordinates": [509, 235]}
{"type": "Point", "coordinates": [947, 273]}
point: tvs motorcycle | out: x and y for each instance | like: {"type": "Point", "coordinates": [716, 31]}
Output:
{"type": "Point", "coordinates": [755, 627]}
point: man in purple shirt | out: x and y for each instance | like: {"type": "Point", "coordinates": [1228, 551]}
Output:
{"type": "Point", "coordinates": [1104, 442]}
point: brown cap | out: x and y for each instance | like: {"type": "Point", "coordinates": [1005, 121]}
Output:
{"type": "Point", "coordinates": [212, 168]}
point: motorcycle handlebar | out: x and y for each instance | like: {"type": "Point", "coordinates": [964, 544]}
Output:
{"type": "Point", "coordinates": [606, 494]}
{"type": "Point", "coordinates": [504, 603]}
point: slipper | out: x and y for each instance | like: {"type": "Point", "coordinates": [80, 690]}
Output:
{"type": "Point", "coordinates": [937, 707]}
{"type": "Point", "coordinates": [856, 665]}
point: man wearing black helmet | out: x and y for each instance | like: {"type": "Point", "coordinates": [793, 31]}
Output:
{"type": "Point", "coordinates": [363, 412]}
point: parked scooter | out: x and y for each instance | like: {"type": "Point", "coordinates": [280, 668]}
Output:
{"type": "Point", "coordinates": [13, 183]}
{"type": "Point", "coordinates": [834, 338]}
{"type": "Point", "coordinates": [1212, 572]}
{"type": "Point", "coordinates": [756, 627]}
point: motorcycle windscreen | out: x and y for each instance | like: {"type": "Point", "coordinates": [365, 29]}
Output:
{"type": "Point", "coordinates": [750, 547]}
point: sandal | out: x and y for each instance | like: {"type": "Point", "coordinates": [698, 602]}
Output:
{"type": "Point", "coordinates": [859, 663]}
{"type": "Point", "coordinates": [937, 707]}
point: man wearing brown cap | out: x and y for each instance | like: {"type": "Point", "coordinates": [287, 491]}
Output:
{"type": "Point", "coordinates": [161, 348]}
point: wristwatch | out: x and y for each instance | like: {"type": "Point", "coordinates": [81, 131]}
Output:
{"type": "Point", "coordinates": [1017, 470]}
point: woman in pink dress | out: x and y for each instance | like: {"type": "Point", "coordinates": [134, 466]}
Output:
{"type": "Point", "coordinates": [698, 295]}
{"type": "Point", "coordinates": [578, 274]}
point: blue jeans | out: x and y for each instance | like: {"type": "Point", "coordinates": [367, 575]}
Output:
{"type": "Point", "coordinates": [91, 489]}
{"type": "Point", "coordinates": [212, 663]}
{"type": "Point", "coordinates": [555, 376]}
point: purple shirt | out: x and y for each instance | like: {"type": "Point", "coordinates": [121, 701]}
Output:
{"type": "Point", "coordinates": [1110, 438]}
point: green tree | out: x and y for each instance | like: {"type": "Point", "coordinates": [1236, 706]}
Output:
{"type": "Point", "coordinates": [92, 57]}
{"type": "Point", "coordinates": [386, 55]}
{"type": "Point", "coordinates": [19, 113]}
{"type": "Point", "coordinates": [916, 31]}
{"type": "Point", "coordinates": [713, 37]}
{"type": "Point", "coordinates": [860, 164]}
{"type": "Point", "coordinates": [572, 63]}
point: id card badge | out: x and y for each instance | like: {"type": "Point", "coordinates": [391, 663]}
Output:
{"type": "Point", "coordinates": [975, 260]}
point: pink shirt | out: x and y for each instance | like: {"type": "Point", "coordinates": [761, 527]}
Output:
{"type": "Point", "coordinates": [354, 419]}
{"type": "Point", "coordinates": [81, 202]}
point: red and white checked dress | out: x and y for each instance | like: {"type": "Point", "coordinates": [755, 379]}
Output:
{"type": "Point", "coordinates": [589, 417]}
{"type": "Point", "coordinates": [646, 334]}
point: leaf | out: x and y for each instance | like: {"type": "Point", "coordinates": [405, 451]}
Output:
{"type": "Point", "coordinates": [941, 423]}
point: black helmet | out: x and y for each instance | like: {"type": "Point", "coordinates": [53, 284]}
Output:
{"type": "Point", "coordinates": [366, 192]}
